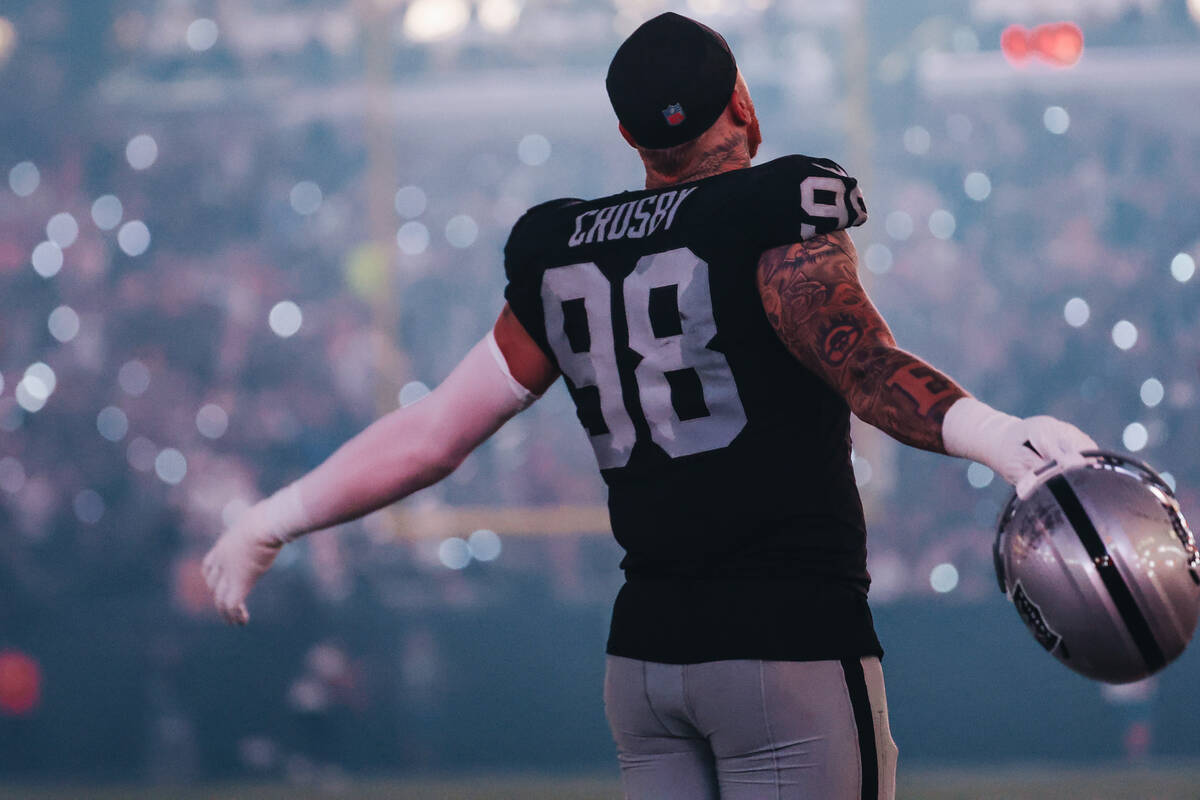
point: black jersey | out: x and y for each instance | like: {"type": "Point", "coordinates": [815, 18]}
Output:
{"type": "Point", "coordinates": [727, 462]}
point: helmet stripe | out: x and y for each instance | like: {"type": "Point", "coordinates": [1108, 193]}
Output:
{"type": "Point", "coordinates": [1127, 607]}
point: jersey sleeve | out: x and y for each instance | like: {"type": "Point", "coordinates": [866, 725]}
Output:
{"type": "Point", "coordinates": [806, 197]}
{"type": "Point", "coordinates": [523, 256]}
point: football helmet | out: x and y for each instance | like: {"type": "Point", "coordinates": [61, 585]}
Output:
{"type": "Point", "coordinates": [1102, 567]}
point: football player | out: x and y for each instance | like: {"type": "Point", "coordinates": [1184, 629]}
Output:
{"type": "Point", "coordinates": [714, 336]}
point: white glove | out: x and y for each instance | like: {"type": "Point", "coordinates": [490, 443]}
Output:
{"type": "Point", "coordinates": [406, 450]}
{"type": "Point", "coordinates": [977, 431]}
{"type": "Point", "coordinates": [248, 548]}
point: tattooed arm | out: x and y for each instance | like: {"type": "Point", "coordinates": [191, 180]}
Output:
{"type": "Point", "coordinates": [821, 312]}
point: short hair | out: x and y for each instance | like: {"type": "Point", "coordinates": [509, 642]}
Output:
{"type": "Point", "coordinates": [671, 161]}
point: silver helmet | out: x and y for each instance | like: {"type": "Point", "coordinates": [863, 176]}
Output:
{"type": "Point", "coordinates": [1101, 566]}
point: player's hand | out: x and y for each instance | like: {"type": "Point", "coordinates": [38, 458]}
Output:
{"type": "Point", "coordinates": [238, 560]}
{"type": "Point", "coordinates": [1020, 450]}
{"type": "Point", "coordinates": [1032, 443]}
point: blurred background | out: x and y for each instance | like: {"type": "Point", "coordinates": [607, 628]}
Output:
{"type": "Point", "coordinates": [232, 233]}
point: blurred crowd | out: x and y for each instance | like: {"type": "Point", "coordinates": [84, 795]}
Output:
{"type": "Point", "coordinates": [190, 317]}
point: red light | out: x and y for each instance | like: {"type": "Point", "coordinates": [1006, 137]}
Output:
{"type": "Point", "coordinates": [1015, 43]}
{"type": "Point", "coordinates": [20, 683]}
{"type": "Point", "coordinates": [1059, 43]}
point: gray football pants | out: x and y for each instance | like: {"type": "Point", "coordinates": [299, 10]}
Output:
{"type": "Point", "coordinates": [751, 730]}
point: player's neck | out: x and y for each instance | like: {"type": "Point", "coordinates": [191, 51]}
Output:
{"type": "Point", "coordinates": [726, 155]}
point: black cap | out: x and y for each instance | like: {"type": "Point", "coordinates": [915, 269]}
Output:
{"type": "Point", "coordinates": [670, 80]}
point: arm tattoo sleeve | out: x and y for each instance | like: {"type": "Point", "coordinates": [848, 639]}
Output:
{"type": "Point", "coordinates": [815, 303]}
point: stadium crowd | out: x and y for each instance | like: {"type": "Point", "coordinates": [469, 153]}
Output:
{"type": "Point", "coordinates": [190, 318]}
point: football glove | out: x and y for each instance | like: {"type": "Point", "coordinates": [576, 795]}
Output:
{"type": "Point", "coordinates": [1018, 450]}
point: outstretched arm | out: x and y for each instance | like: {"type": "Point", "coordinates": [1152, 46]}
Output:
{"type": "Point", "coordinates": [407, 450]}
{"type": "Point", "coordinates": [418, 445]}
{"type": "Point", "coordinates": [819, 309]}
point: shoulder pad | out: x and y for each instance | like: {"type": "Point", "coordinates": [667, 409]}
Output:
{"type": "Point", "coordinates": [529, 219]}
{"type": "Point", "coordinates": [819, 195]}
{"type": "Point", "coordinates": [801, 165]}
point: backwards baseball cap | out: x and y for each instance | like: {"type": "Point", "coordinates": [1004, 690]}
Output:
{"type": "Point", "coordinates": [670, 80]}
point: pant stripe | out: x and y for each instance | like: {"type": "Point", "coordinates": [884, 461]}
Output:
{"type": "Point", "coordinates": [856, 684]}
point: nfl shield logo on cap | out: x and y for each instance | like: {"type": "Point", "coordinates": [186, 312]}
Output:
{"type": "Point", "coordinates": [674, 114]}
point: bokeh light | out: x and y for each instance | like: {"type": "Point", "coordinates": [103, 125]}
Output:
{"type": "Point", "coordinates": [942, 224]}
{"type": "Point", "coordinates": [142, 151]}
{"type": "Point", "coordinates": [63, 323]}
{"type": "Point", "coordinates": [916, 140]}
{"type": "Point", "coordinates": [431, 20]}
{"type": "Point", "coordinates": [943, 578]}
{"type": "Point", "coordinates": [31, 394]}
{"type": "Point", "coordinates": [412, 238]}
{"type": "Point", "coordinates": [1135, 437]}
{"type": "Point", "coordinates": [1152, 392]}
{"type": "Point", "coordinates": [454, 553]}
{"type": "Point", "coordinates": [533, 149]}
{"type": "Point", "coordinates": [112, 423]}
{"type": "Point", "coordinates": [134, 378]}
{"type": "Point", "coordinates": [170, 466]}
{"type": "Point", "coordinates": [107, 212]}
{"type": "Point", "coordinates": [20, 675]}
{"type": "Point", "coordinates": [12, 475]}
{"type": "Point", "coordinates": [499, 16]}
{"type": "Point", "coordinates": [47, 259]}
{"type": "Point", "coordinates": [411, 392]}
{"type": "Point", "coordinates": [863, 472]}
{"type": "Point", "coordinates": [133, 238]}
{"type": "Point", "coordinates": [1183, 267]}
{"type": "Point", "coordinates": [461, 231]}
{"type": "Point", "coordinates": [41, 379]}
{"type": "Point", "coordinates": [62, 229]}
{"type": "Point", "coordinates": [410, 201]}
{"type": "Point", "coordinates": [141, 453]}
{"type": "Point", "coordinates": [979, 475]}
{"type": "Point", "coordinates": [1076, 312]}
{"type": "Point", "coordinates": [231, 333]}
{"type": "Point", "coordinates": [285, 318]}
{"type": "Point", "coordinates": [202, 34]}
{"type": "Point", "coordinates": [1056, 119]}
{"type": "Point", "coordinates": [305, 198]}
{"type": "Point", "coordinates": [484, 545]}
{"type": "Point", "coordinates": [212, 421]}
{"type": "Point", "coordinates": [978, 186]}
{"type": "Point", "coordinates": [878, 258]}
{"type": "Point", "coordinates": [899, 225]}
{"type": "Point", "coordinates": [1168, 479]}
{"type": "Point", "coordinates": [89, 506]}
{"type": "Point", "coordinates": [1124, 334]}
{"type": "Point", "coordinates": [24, 179]}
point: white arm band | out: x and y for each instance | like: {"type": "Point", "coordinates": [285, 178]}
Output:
{"type": "Point", "coordinates": [523, 395]}
{"type": "Point", "coordinates": [406, 450]}
{"type": "Point", "coordinates": [975, 430]}
{"type": "Point", "coordinates": [284, 514]}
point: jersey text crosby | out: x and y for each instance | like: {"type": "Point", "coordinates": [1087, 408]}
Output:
{"type": "Point", "coordinates": [633, 219]}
